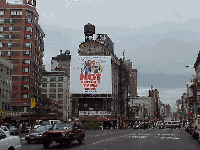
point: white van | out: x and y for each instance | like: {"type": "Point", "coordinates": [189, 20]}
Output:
{"type": "Point", "coordinates": [50, 122]}
{"type": "Point", "coordinates": [172, 124]}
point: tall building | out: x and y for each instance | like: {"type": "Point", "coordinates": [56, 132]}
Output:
{"type": "Point", "coordinates": [55, 86]}
{"type": "Point", "coordinates": [5, 86]}
{"type": "Point", "coordinates": [132, 79]}
{"type": "Point", "coordinates": [22, 43]}
{"type": "Point", "coordinates": [108, 104]}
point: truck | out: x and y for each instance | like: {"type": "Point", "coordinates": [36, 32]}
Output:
{"type": "Point", "coordinates": [64, 133]}
{"type": "Point", "coordinates": [196, 127]}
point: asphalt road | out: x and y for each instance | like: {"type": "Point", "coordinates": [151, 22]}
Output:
{"type": "Point", "coordinates": [138, 139]}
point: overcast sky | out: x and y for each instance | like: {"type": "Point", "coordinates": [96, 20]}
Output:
{"type": "Point", "coordinates": [159, 37]}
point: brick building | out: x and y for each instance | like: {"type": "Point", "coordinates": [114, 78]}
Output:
{"type": "Point", "coordinates": [132, 79]}
{"type": "Point", "coordinates": [22, 43]}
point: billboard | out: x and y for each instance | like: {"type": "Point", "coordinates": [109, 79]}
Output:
{"type": "Point", "coordinates": [90, 74]}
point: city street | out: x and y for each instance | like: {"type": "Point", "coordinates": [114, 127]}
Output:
{"type": "Point", "coordinates": [139, 139]}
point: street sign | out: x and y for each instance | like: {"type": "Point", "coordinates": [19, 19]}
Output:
{"type": "Point", "coordinates": [32, 102]}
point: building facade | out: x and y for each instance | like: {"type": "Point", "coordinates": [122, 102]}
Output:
{"type": "Point", "coordinates": [143, 107]}
{"type": "Point", "coordinates": [5, 86]}
{"type": "Point", "coordinates": [22, 43]}
{"type": "Point", "coordinates": [132, 79]}
{"type": "Point", "coordinates": [110, 105]}
{"type": "Point", "coordinates": [61, 62]}
{"type": "Point", "coordinates": [55, 86]}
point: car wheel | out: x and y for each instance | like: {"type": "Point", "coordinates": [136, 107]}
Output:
{"type": "Point", "coordinates": [29, 142]}
{"type": "Point", "coordinates": [46, 145]}
{"type": "Point", "coordinates": [81, 140]}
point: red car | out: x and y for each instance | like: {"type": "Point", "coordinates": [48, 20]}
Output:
{"type": "Point", "coordinates": [64, 133]}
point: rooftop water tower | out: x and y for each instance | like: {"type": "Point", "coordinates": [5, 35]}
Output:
{"type": "Point", "coordinates": [89, 30]}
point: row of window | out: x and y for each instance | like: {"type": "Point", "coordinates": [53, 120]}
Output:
{"type": "Point", "coordinates": [52, 84]}
{"type": "Point", "coordinates": [5, 93]}
{"type": "Point", "coordinates": [53, 90]}
{"type": "Point", "coordinates": [53, 79]}
{"type": "Point", "coordinates": [14, 36]}
{"type": "Point", "coordinates": [5, 81]}
{"type": "Point", "coordinates": [12, 12]}
{"type": "Point", "coordinates": [15, 53]}
{"type": "Point", "coordinates": [27, 29]}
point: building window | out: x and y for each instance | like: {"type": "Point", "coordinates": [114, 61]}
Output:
{"type": "Point", "coordinates": [27, 36]}
{"type": "Point", "coordinates": [52, 84]}
{"type": "Point", "coordinates": [25, 87]}
{"type": "Point", "coordinates": [26, 61]}
{"type": "Point", "coordinates": [27, 53]}
{"type": "Point", "coordinates": [60, 84]}
{"type": "Point", "coordinates": [2, 12]}
{"type": "Point", "coordinates": [10, 45]}
{"type": "Point", "coordinates": [27, 45]}
{"type": "Point", "coordinates": [9, 53]}
{"type": "Point", "coordinates": [1, 46]}
{"type": "Point", "coordinates": [24, 96]}
{"type": "Point", "coordinates": [52, 95]}
{"type": "Point", "coordinates": [60, 78]}
{"type": "Point", "coordinates": [60, 89]}
{"type": "Point", "coordinates": [44, 85]}
{"type": "Point", "coordinates": [28, 29]}
{"type": "Point", "coordinates": [60, 96]}
{"type": "Point", "coordinates": [28, 20]}
{"type": "Point", "coordinates": [60, 101]}
{"type": "Point", "coordinates": [25, 70]}
{"type": "Point", "coordinates": [11, 37]}
{"type": "Point", "coordinates": [25, 78]}
{"type": "Point", "coordinates": [52, 90]}
{"type": "Point", "coordinates": [12, 21]}
{"type": "Point", "coordinates": [1, 36]}
{"type": "Point", "coordinates": [44, 79]}
{"type": "Point", "coordinates": [52, 78]}
{"type": "Point", "coordinates": [2, 21]}
{"type": "Point", "coordinates": [2, 29]}
{"type": "Point", "coordinates": [44, 90]}
{"type": "Point", "coordinates": [16, 12]}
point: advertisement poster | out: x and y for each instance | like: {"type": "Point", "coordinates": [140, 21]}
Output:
{"type": "Point", "coordinates": [90, 74]}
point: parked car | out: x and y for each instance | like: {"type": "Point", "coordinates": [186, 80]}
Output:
{"type": "Point", "coordinates": [36, 135]}
{"type": "Point", "coordinates": [64, 133]}
{"type": "Point", "coordinates": [14, 130]}
{"type": "Point", "coordinates": [5, 129]}
{"type": "Point", "coordinates": [8, 142]}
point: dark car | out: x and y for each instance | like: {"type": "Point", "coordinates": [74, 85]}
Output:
{"type": "Point", "coordinates": [14, 130]}
{"type": "Point", "coordinates": [142, 125]}
{"type": "Point", "coordinates": [64, 133]}
{"type": "Point", "coordinates": [161, 126]}
{"type": "Point", "coordinates": [136, 126]}
{"type": "Point", "coordinates": [36, 135]}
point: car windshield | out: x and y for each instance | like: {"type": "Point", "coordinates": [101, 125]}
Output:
{"type": "Point", "coordinates": [62, 126]}
{"type": "Point", "coordinates": [46, 123]}
{"type": "Point", "coordinates": [41, 128]}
